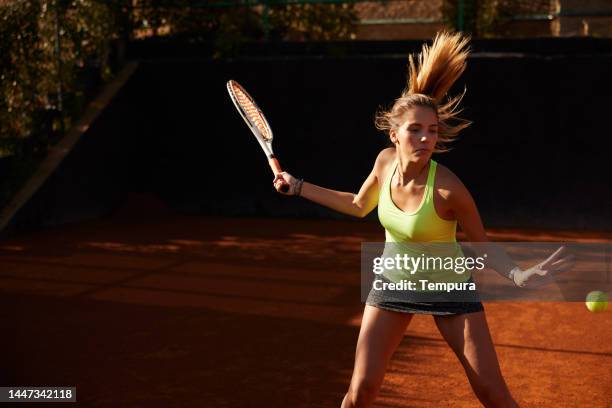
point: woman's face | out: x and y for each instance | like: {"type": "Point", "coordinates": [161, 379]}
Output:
{"type": "Point", "coordinates": [416, 136]}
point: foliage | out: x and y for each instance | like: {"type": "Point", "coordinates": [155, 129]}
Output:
{"type": "Point", "coordinates": [486, 18]}
{"type": "Point", "coordinates": [313, 22]}
{"type": "Point", "coordinates": [53, 53]}
{"type": "Point", "coordinates": [230, 26]}
{"type": "Point", "coordinates": [31, 73]}
{"type": "Point", "coordinates": [35, 80]}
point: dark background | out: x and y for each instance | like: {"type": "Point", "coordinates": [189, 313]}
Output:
{"type": "Point", "coordinates": [537, 154]}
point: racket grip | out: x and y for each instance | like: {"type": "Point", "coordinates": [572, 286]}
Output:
{"type": "Point", "coordinates": [274, 165]}
{"type": "Point", "coordinates": [276, 169]}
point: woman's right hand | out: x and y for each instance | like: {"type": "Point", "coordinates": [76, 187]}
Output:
{"type": "Point", "coordinates": [285, 178]}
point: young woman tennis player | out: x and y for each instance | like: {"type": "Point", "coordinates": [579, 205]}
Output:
{"type": "Point", "coordinates": [421, 201]}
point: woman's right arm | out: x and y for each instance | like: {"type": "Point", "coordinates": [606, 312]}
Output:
{"type": "Point", "coordinates": [358, 205]}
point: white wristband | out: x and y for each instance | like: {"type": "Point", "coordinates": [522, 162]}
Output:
{"type": "Point", "coordinates": [514, 275]}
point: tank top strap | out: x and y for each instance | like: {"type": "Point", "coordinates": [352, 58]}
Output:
{"type": "Point", "coordinates": [391, 173]}
{"type": "Point", "coordinates": [431, 178]}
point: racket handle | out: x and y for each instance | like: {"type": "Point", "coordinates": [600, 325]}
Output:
{"type": "Point", "coordinates": [276, 169]}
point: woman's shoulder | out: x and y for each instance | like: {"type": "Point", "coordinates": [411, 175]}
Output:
{"type": "Point", "coordinates": [384, 160]}
{"type": "Point", "coordinates": [386, 155]}
{"type": "Point", "coordinates": [448, 183]}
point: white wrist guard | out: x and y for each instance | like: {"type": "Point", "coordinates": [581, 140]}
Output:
{"type": "Point", "coordinates": [516, 276]}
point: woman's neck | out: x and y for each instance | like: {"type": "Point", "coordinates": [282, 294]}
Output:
{"type": "Point", "coordinates": [410, 170]}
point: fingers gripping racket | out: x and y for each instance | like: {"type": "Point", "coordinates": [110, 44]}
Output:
{"type": "Point", "coordinates": [255, 119]}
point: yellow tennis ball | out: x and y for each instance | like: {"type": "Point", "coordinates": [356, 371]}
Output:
{"type": "Point", "coordinates": [597, 301]}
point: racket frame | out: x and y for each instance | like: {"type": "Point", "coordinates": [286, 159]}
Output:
{"type": "Point", "coordinates": [266, 144]}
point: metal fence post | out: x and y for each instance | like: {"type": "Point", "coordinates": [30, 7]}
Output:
{"type": "Point", "coordinates": [58, 58]}
{"type": "Point", "coordinates": [460, 13]}
{"type": "Point", "coordinates": [266, 20]}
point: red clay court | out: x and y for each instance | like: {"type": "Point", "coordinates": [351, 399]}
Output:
{"type": "Point", "coordinates": [148, 308]}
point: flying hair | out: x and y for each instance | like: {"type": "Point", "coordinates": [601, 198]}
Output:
{"type": "Point", "coordinates": [431, 74]}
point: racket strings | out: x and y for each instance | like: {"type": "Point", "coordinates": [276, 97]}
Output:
{"type": "Point", "coordinates": [252, 112]}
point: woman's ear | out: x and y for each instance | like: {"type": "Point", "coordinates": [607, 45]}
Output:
{"type": "Point", "coordinates": [393, 136]}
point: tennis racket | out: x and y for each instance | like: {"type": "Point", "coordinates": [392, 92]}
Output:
{"type": "Point", "coordinates": [255, 119]}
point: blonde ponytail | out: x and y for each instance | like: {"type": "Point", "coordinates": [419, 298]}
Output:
{"type": "Point", "coordinates": [430, 76]}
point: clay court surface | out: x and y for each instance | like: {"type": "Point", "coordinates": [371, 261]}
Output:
{"type": "Point", "coordinates": [147, 308]}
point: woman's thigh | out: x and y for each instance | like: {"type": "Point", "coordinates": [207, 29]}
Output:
{"type": "Point", "coordinates": [380, 334]}
{"type": "Point", "coordinates": [468, 335]}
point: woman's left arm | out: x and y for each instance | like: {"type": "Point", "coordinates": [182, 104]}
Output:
{"type": "Point", "coordinates": [468, 218]}
{"type": "Point", "coordinates": [464, 208]}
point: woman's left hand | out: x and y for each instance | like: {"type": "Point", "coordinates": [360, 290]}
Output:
{"type": "Point", "coordinates": [558, 262]}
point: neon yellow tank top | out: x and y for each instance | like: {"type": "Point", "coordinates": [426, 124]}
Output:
{"type": "Point", "coordinates": [423, 225]}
